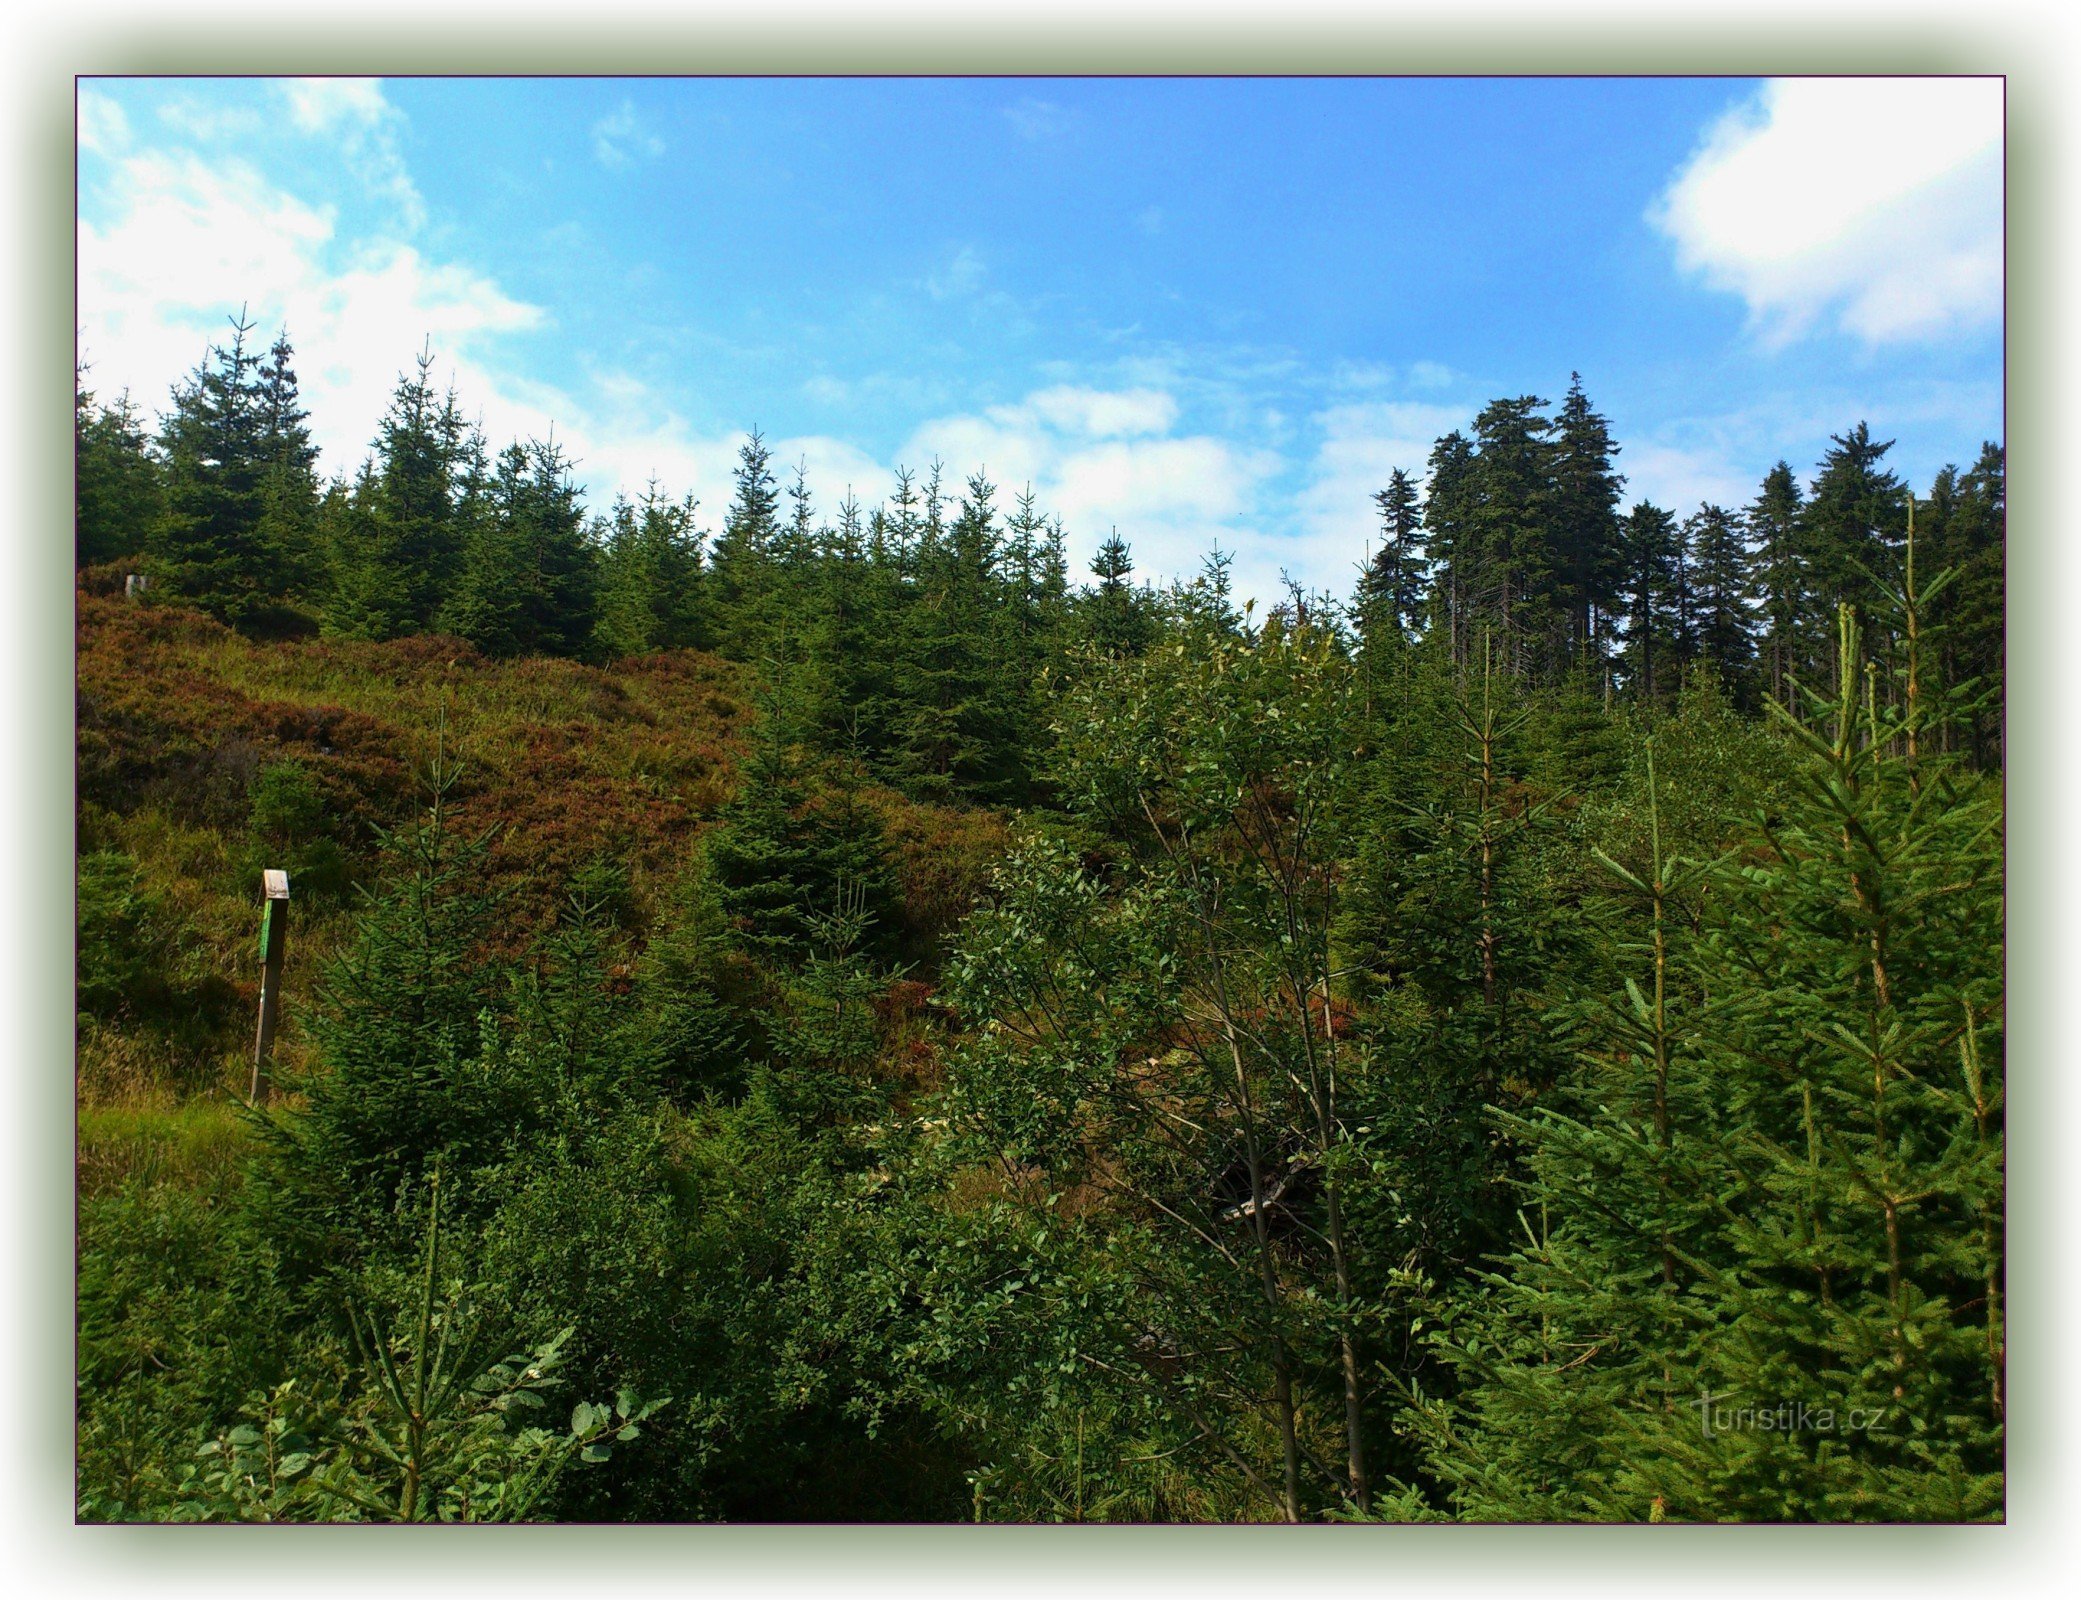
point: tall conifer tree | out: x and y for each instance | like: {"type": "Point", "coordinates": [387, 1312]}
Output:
{"type": "Point", "coordinates": [1513, 530]}
{"type": "Point", "coordinates": [1775, 517]}
{"type": "Point", "coordinates": [743, 549]}
{"type": "Point", "coordinates": [1654, 620]}
{"type": "Point", "coordinates": [119, 498]}
{"type": "Point", "coordinates": [1585, 513]}
{"type": "Point", "coordinates": [1855, 519]}
{"type": "Point", "coordinates": [290, 492]}
{"type": "Point", "coordinates": [403, 549]}
{"type": "Point", "coordinates": [1719, 578]}
{"type": "Point", "coordinates": [1391, 587]}
{"type": "Point", "coordinates": [214, 443]}
{"type": "Point", "coordinates": [1450, 540]}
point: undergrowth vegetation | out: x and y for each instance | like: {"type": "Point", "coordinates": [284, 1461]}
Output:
{"type": "Point", "coordinates": [841, 1025]}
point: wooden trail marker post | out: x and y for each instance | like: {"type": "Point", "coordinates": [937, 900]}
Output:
{"type": "Point", "coordinates": [274, 936]}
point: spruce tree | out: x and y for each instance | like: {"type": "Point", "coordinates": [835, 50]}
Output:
{"type": "Point", "coordinates": [489, 602]}
{"type": "Point", "coordinates": [214, 444]}
{"type": "Point", "coordinates": [417, 449]}
{"type": "Point", "coordinates": [1761, 1269]}
{"type": "Point", "coordinates": [290, 492]}
{"type": "Point", "coordinates": [119, 497]}
{"type": "Point", "coordinates": [962, 712]}
{"type": "Point", "coordinates": [561, 552]}
{"type": "Point", "coordinates": [857, 603]}
{"type": "Point", "coordinates": [401, 1082]}
{"type": "Point", "coordinates": [649, 577]}
{"type": "Point", "coordinates": [787, 856]}
{"type": "Point", "coordinates": [1775, 519]}
{"type": "Point", "coordinates": [624, 625]}
{"type": "Point", "coordinates": [1861, 1042]}
{"type": "Point", "coordinates": [697, 1018]}
{"type": "Point", "coordinates": [1855, 518]}
{"type": "Point", "coordinates": [401, 553]}
{"type": "Point", "coordinates": [1450, 896]}
{"type": "Point", "coordinates": [1654, 615]}
{"type": "Point", "coordinates": [1720, 583]}
{"type": "Point", "coordinates": [1590, 557]}
{"type": "Point", "coordinates": [1115, 620]}
{"type": "Point", "coordinates": [1449, 538]}
{"type": "Point", "coordinates": [1391, 587]}
{"type": "Point", "coordinates": [528, 584]}
{"type": "Point", "coordinates": [1588, 1322]}
{"type": "Point", "coordinates": [366, 593]}
{"type": "Point", "coordinates": [1518, 589]}
{"type": "Point", "coordinates": [1964, 526]}
{"type": "Point", "coordinates": [743, 551]}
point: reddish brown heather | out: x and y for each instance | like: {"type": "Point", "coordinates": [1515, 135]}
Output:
{"type": "Point", "coordinates": [567, 763]}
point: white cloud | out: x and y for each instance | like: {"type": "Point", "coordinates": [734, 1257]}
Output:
{"type": "Point", "coordinates": [320, 105]}
{"type": "Point", "coordinates": [1010, 452]}
{"type": "Point", "coordinates": [103, 128]}
{"type": "Point", "coordinates": [354, 116]}
{"type": "Point", "coordinates": [1201, 479]}
{"type": "Point", "coordinates": [1878, 200]}
{"type": "Point", "coordinates": [1361, 447]}
{"type": "Point", "coordinates": [176, 234]}
{"type": "Point", "coordinates": [1681, 480]}
{"type": "Point", "coordinates": [1103, 413]}
{"type": "Point", "coordinates": [1102, 459]}
{"type": "Point", "coordinates": [625, 455]}
{"type": "Point", "coordinates": [833, 468]}
{"type": "Point", "coordinates": [619, 139]}
{"type": "Point", "coordinates": [961, 276]}
{"type": "Point", "coordinates": [167, 233]}
{"type": "Point", "coordinates": [209, 123]}
{"type": "Point", "coordinates": [1033, 119]}
{"type": "Point", "coordinates": [183, 234]}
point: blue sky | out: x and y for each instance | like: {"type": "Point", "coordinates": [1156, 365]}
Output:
{"type": "Point", "coordinates": [1197, 310]}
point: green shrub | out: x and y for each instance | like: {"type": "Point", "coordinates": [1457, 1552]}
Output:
{"type": "Point", "coordinates": [123, 939]}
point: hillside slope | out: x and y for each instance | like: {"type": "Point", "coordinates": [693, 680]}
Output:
{"type": "Point", "coordinates": [204, 756]}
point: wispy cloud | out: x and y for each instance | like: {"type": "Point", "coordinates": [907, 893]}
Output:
{"type": "Point", "coordinates": [1034, 119]}
{"type": "Point", "coordinates": [321, 105]}
{"type": "Point", "coordinates": [1103, 459]}
{"type": "Point", "coordinates": [1682, 478]}
{"type": "Point", "coordinates": [207, 123]}
{"type": "Point", "coordinates": [1359, 447]}
{"type": "Point", "coordinates": [103, 127]}
{"type": "Point", "coordinates": [1721, 457]}
{"type": "Point", "coordinates": [1100, 413]}
{"type": "Point", "coordinates": [175, 232]}
{"type": "Point", "coordinates": [620, 139]}
{"type": "Point", "coordinates": [1877, 201]}
{"type": "Point", "coordinates": [962, 275]}
{"type": "Point", "coordinates": [171, 230]}
{"type": "Point", "coordinates": [356, 117]}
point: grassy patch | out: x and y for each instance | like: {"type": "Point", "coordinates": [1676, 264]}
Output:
{"type": "Point", "coordinates": [195, 1144]}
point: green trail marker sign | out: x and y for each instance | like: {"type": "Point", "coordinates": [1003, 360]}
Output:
{"type": "Point", "coordinates": [274, 937]}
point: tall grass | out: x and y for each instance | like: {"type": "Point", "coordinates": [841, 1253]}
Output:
{"type": "Point", "coordinates": [195, 1144]}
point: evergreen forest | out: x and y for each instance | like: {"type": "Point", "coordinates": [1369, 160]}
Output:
{"type": "Point", "coordinates": [835, 1012]}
